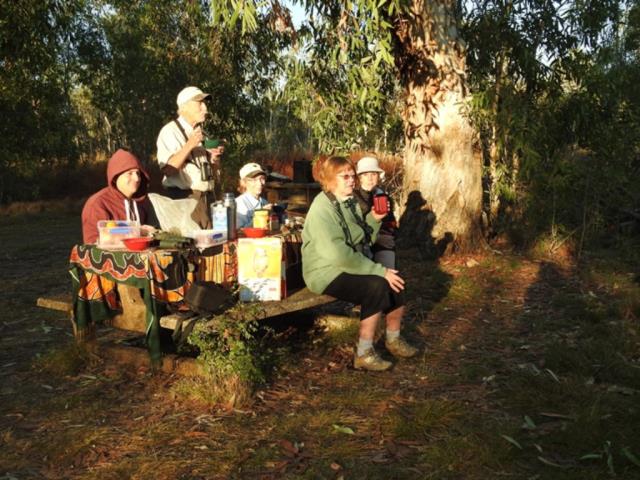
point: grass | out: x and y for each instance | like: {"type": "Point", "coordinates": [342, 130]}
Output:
{"type": "Point", "coordinates": [529, 368]}
{"type": "Point", "coordinates": [229, 390]}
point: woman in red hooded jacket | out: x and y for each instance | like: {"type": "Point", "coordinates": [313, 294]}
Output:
{"type": "Point", "coordinates": [124, 197]}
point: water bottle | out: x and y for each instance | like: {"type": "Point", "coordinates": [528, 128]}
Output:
{"type": "Point", "coordinates": [219, 217]}
{"type": "Point", "coordinates": [230, 204]}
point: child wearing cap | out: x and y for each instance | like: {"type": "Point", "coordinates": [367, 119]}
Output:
{"type": "Point", "coordinates": [252, 180]}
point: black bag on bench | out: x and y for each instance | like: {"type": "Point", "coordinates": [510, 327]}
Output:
{"type": "Point", "coordinates": [208, 298]}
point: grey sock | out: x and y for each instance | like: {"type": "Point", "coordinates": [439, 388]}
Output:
{"type": "Point", "coordinates": [392, 335]}
{"type": "Point", "coordinates": [363, 346]}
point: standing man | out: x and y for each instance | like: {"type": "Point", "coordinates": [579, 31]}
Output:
{"type": "Point", "coordinates": [189, 169]}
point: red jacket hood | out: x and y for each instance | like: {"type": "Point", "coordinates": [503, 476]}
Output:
{"type": "Point", "coordinates": [120, 162]}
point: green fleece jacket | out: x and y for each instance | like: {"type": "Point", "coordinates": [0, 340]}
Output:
{"type": "Point", "coordinates": [325, 252]}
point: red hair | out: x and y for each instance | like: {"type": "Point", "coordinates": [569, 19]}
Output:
{"type": "Point", "coordinates": [330, 168]}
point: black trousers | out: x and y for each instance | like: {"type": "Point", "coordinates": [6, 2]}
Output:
{"type": "Point", "coordinates": [372, 292]}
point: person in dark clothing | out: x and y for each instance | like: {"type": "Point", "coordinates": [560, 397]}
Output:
{"type": "Point", "coordinates": [369, 177]}
{"type": "Point", "coordinates": [124, 197]}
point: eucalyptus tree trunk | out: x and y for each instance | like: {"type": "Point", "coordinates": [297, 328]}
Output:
{"type": "Point", "coordinates": [441, 159]}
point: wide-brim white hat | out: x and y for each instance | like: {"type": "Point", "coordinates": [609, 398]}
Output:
{"type": "Point", "coordinates": [369, 164]}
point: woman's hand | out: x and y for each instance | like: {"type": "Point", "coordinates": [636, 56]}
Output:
{"type": "Point", "coordinates": [378, 216]}
{"type": "Point", "coordinates": [395, 281]}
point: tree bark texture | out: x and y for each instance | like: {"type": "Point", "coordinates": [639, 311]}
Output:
{"type": "Point", "coordinates": [442, 160]}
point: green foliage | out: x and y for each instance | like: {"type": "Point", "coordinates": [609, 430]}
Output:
{"type": "Point", "coordinates": [36, 74]}
{"type": "Point", "coordinates": [340, 76]}
{"type": "Point", "coordinates": [554, 92]}
{"type": "Point", "coordinates": [231, 345]}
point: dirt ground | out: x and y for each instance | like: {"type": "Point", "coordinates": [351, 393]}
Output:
{"type": "Point", "coordinates": [529, 369]}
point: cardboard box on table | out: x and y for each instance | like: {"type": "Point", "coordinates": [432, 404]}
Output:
{"type": "Point", "coordinates": [261, 269]}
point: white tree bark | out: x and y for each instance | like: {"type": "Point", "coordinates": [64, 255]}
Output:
{"type": "Point", "coordinates": [441, 159]}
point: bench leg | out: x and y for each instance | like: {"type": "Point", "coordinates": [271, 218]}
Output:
{"type": "Point", "coordinates": [134, 311]}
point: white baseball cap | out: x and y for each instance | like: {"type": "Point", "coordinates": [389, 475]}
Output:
{"type": "Point", "coordinates": [251, 170]}
{"type": "Point", "coordinates": [369, 164]}
{"type": "Point", "coordinates": [190, 93]}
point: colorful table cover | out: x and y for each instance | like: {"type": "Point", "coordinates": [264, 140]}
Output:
{"type": "Point", "coordinates": [163, 277]}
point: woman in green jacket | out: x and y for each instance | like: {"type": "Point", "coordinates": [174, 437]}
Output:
{"type": "Point", "coordinates": [335, 261]}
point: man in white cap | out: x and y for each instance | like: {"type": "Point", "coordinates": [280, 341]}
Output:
{"type": "Point", "coordinates": [189, 169]}
{"type": "Point", "coordinates": [252, 180]}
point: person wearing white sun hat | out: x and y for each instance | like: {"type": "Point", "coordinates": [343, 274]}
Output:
{"type": "Point", "coordinates": [189, 169]}
{"type": "Point", "coordinates": [370, 175]}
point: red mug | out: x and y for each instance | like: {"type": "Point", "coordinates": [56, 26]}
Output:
{"type": "Point", "coordinates": [381, 204]}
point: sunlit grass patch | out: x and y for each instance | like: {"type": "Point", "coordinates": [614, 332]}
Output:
{"type": "Point", "coordinates": [427, 368]}
{"type": "Point", "coordinates": [66, 360]}
{"type": "Point", "coordinates": [354, 390]}
{"type": "Point", "coordinates": [468, 454]}
{"type": "Point", "coordinates": [339, 330]}
{"type": "Point", "coordinates": [321, 435]}
{"type": "Point", "coordinates": [425, 418]}
{"type": "Point", "coordinates": [465, 289]}
{"type": "Point", "coordinates": [553, 245]}
{"type": "Point", "coordinates": [455, 440]}
{"type": "Point", "coordinates": [227, 389]}
{"type": "Point", "coordinates": [501, 266]}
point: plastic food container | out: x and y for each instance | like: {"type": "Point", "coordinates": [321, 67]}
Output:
{"type": "Point", "coordinates": [261, 219]}
{"type": "Point", "coordinates": [111, 233]}
{"type": "Point", "coordinates": [208, 238]}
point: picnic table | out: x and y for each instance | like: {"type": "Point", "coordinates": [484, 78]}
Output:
{"type": "Point", "coordinates": [145, 291]}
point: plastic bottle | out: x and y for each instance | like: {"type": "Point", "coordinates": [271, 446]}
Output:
{"type": "Point", "coordinates": [219, 217]}
{"type": "Point", "coordinates": [232, 227]}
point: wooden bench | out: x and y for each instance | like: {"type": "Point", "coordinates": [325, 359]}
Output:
{"type": "Point", "coordinates": [133, 313]}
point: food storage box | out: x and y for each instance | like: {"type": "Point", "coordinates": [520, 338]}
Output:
{"type": "Point", "coordinates": [112, 232]}
{"type": "Point", "coordinates": [208, 238]}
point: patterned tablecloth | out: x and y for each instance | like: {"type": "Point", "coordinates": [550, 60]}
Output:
{"type": "Point", "coordinates": [163, 277]}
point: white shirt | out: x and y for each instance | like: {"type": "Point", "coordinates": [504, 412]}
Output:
{"type": "Point", "coordinates": [246, 204]}
{"type": "Point", "coordinates": [170, 141]}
